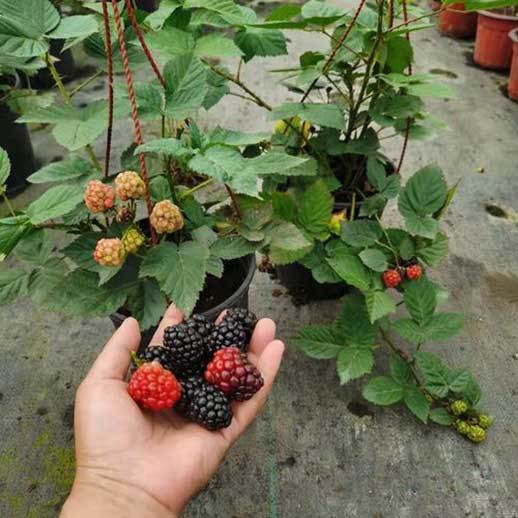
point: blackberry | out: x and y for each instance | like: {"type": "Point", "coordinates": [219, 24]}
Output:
{"type": "Point", "coordinates": [244, 317]}
{"type": "Point", "coordinates": [161, 354]}
{"type": "Point", "coordinates": [203, 325]}
{"type": "Point", "coordinates": [207, 406]}
{"type": "Point", "coordinates": [189, 385]}
{"type": "Point", "coordinates": [186, 346]}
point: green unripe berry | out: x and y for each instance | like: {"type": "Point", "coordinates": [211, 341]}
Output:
{"type": "Point", "coordinates": [476, 433]}
{"type": "Point", "coordinates": [463, 427]}
{"type": "Point", "coordinates": [459, 407]}
{"type": "Point", "coordinates": [485, 421]}
{"type": "Point", "coordinates": [429, 398]}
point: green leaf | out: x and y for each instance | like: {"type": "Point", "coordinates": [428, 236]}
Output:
{"type": "Point", "coordinates": [12, 231]}
{"type": "Point", "coordinates": [284, 206]}
{"type": "Point", "coordinates": [283, 12]}
{"type": "Point", "coordinates": [320, 12]}
{"type": "Point", "coordinates": [432, 252]}
{"type": "Point", "coordinates": [156, 19]}
{"type": "Point", "coordinates": [260, 42]}
{"type": "Point", "coordinates": [383, 391]}
{"type": "Point", "coordinates": [409, 330]}
{"type": "Point", "coordinates": [287, 243]}
{"type": "Point", "coordinates": [147, 304]}
{"type": "Point", "coordinates": [353, 323]}
{"type": "Point", "coordinates": [35, 248]}
{"type": "Point", "coordinates": [444, 325]}
{"type": "Point", "coordinates": [54, 203]}
{"type": "Point", "coordinates": [72, 167]}
{"type": "Point", "coordinates": [167, 147]}
{"type": "Point", "coordinates": [217, 89]}
{"type": "Point", "coordinates": [354, 362]}
{"type": "Point", "coordinates": [376, 173]}
{"type": "Point", "coordinates": [361, 232]}
{"type": "Point", "coordinates": [149, 100]}
{"type": "Point", "coordinates": [417, 403]}
{"type": "Point", "coordinates": [350, 269]}
{"type": "Point", "coordinates": [319, 342]}
{"type": "Point", "coordinates": [374, 259]}
{"type": "Point", "coordinates": [227, 9]}
{"type": "Point", "coordinates": [316, 262]}
{"type": "Point", "coordinates": [236, 138]}
{"type": "Point", "coordinates": [315, 208]}
{"type": "Point", "coordinates": [180, 271]}
{"type": "Point", "coordinates": [399, 53]}
{"type": "Point", "coordinates": [5, 166]}
{"type": "Point", "coordinates": [379, 304]}
{"type": "Point", "coordinates": [171, 42]}
{"type": "Point", "coordinates": [420, 300]}
{"type": "Point", "coordinates": [77, 27]}
{"type": "Point", "coordinates": [473, 393]}
{"type": "Point", "coordinates": [13, 284]}
{"type": "Point", "coordinates": [458, 380]}
{"type": "Point", "coordinates": [186, 85]}
{"type": "Point", "coordinates": [216, 45]}
{"type": "Point", "coordinates": [232, 247]}
{"type": "Point", "coordinates": [159, 188]}
{"type": "Point", "coordinates": [434, 373]}
{"type": "Point", "coordinates": [400, 371]}
{"type": "Point", "coordinates": [326, 115]}
{"type": "Point", "coordinates": [219, 162]}
{"type": "Point", "coordinates": [441, 416]}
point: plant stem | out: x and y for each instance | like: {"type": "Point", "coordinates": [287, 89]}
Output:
{"type": "Point", "coordinates": [402, 354]}
{"type": "Point", "coordinates": [68, 100]}
{"type": "Point", "coordinates": [427, 15]}
{"type": "Point", "coordinates": [85, 83]}
{"type": "Point", "coordinates": [8, 202]}
{"type": "Point", "coordinates": [235, 203]}
{"type": "Point", "coordinates": [196, 188]}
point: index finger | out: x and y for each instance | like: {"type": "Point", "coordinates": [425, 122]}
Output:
{"type": "Point", "coordinates": [171, 317]}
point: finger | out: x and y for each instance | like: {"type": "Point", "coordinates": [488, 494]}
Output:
{"type": "Point", "coordinates": [115, 358]}
{"type": "Point", "coordinates": [171, 317]}
{"type": "Point", "coordinates": [245, 413]}
{"type": "Point", "coordinates": [263, 334]}
{"type": "Point", "coordinates": [221, 317]}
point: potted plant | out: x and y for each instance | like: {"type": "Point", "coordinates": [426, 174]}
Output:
{"type": "Point", "coordinates": [130, 240]}
{"type": "Point", "coordinates": [456, 22]}
{"type": "Point", "coordinates": [512, 86]}
{"type": "Point", "coordinates": [388, 267]}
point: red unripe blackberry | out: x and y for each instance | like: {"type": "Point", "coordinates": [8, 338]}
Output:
{"type": "Point", "coordinates": [232, 373]}
{"type": "Point", "coordinates": [392, 278]}
{"type": "Point", "coordinates": [414, 272]}
{"type": "Point", "coordinates": [99, 197]}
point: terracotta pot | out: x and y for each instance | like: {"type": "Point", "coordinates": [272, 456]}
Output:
{"type": "Point", "coordinates": [493, 48]}
{"type": "Point", "coordinates": [457, 24]}
{"type": "Point", "coordinates": [435, 5]}
{"type": "Point", "coordinates": [512, 86]}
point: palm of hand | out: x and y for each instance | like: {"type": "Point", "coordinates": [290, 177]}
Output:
{"type": "Point", "coordinates": [161, 454]}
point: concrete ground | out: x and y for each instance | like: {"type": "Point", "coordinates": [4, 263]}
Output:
{"type": "Point", "coordinates": [318, 450]}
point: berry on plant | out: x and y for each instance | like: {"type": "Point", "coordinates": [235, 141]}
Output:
{"type": "Point", "coordinates": [129, 186]}
{"type": "Point", "coordinates": [186, 345]}
{"type": "Point", "coordinates": [166, 217]}
{"type": "Point", "coordinates": [109, 252]}
{"type": "Point", "coordinates": [232, 373]}
{"type": "Point", "coordinates": [132, 240]}
{"type": "Point", "coordinates": [459, 407]}
{"type": "Point", "coordinates": [125, 215]}
{"type": "Point", "coordinates": [206, 405]}
{"type": "Point", "coordinates": [414, 272]}
{"type": "Point", "coordinates": [335, 223]}
{"type": "Point", "coordinates": [392, 278]}
{"type": "Point", "coordinates": [154, 387]}
{"type": "Point", "coordinates": [463, 427]}
{"type": "Point", "coordinates": [99, 197]}
{"type": "Point", "coordinates": [484, 421]}
{"type": "Point", "coordinates": [476, 433]}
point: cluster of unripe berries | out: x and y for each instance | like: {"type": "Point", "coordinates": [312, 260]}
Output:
{"type": "Point", "coordinates": [394, 277]}
{"type": "Point", "coordinates": [470, 423]}
{"type": "Point", "coordinates": [99, 197]}
{"type": "Point", "coordinates": [199, 369]}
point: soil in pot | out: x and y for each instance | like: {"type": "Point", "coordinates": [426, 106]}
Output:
{"type": "Point", "coordinates": [231, 291]}
{"type": "Point", "coordinates": [456, 23]}
{"type": "Point", "coordinates": [512, 85]}
{"type": "Point", "coordinates": [493, 47]}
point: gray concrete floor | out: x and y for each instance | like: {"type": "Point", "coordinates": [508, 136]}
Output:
{"type": "Point", "coordinates": [310, 454]}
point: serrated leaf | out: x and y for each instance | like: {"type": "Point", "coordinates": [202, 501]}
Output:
{"type": "Point", "coordinates": [227, 9]}
{"type": "Point", "coordinates": [5, 166]}
{"type": "Point", "coordinates": [473, 393]}
{"type": "Point", "coordinates": [354, 362]}
{"type": "Point", "coordinates": [374, 259]}
{"type": "Point", "coordinates": [379, 304]}
{"type": "Point", "coordinates": [216, 45]}
{"type": "Point", "coordinates": [236, 138]}
{"type": "Point", "coordinates": [434, 373]}
{"type": "Point", "coordinates": [72, 167]}
{"type": "Point", "coordinates": [319, 342]}
{"type": "Point", "coordinates": [326, 115]}
{"type": "Point", "coordinates": [383, 391]}
{"type": "Point", "coordinates": [217, 89]}
{"type": "Point", "coordinates": [399, 54]}
{"type": "Point", "coordinates": [76, 26]}
{"type": "Point", "coordinates": [417, 403]}
{"type": "Point", "coordinates": [400, 371]}
{"type": "Point", "coordinates": [232, 247]}
{"type": "Point", "coordinates": [13, 284]}
{"type": "Point", "coordinates": [287, 243]}
{"type": "Point", "coordinates": [260, 42]}
{"type": "Point", "coordinates": [409, 330]}
{"type": "Point", "coordinates": [444, 325]}
{"type": "Point", "coordinates": [35, 248]}
{"type": "Point", "coordinates": [170, 42]}
{"type": "Point", "coordinates": [353, 323]}
{"type": "Point", "coordinates": [420, 300]}
{"type": "Point", "coordinates": [441, 416]}
{"type": "Point", "coordinates": [148, 303]}
{"type": "Point", "coordinates": [156, 19]}
{"type": "Point", "coordinates": [320, 12]}
{"type": "Point", "coordinates": [458, 380]}
{"type": "Point", "coordinates": [167, 147]}
{"type": "Point", "coordinates": [55, 202]}
{"type": "Point", "coordinates": [350, 269]}
{"type": "Point", "coordinates": [284, 206]}
{"type": "Point", "coordinates": [186, 85]}
{"type": "Point", "coordinates": [432, 252]}
{"type": "Point", "coordinates": [180, 271]}
{"type": "Point", "coordinates": [361, 232]}
{"type": "Point", "coordinates": [12, 231]}
{"type": "Point", "coordinates": [376, 173]}
{"type": "Point", "coordinates": [315, 208]}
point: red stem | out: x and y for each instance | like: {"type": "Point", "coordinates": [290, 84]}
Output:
{"type": "Point", "coordinates": [331, 57]}
{"type": "Point", "coordinates": [140, 36]}
{"type": "Point", "coordinates": [235, 203]}
{"type": "Point", "coordinates": [109, 58]}
{"type": "Point", "coordinates": [134, 109]}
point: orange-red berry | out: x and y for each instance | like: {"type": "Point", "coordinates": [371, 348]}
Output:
{"type": "Point", "coordinates": [129, 186]}
{"type": "Point", "coordinates": [392, 278]}
{"type": "Point", "coordinates": [414, 272]}
{"type": "Point", "coordinates": [166, 217]}
{"type": "Point", "coordinates": [109, 252]}
{"type": "Point", "coordinates": [99, 197]}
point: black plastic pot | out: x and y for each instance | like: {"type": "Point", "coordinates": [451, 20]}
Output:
{"type": "Point", "coordinates": [147, 5]}
{"type": "Point", "coordinates": [231, 291]}
{"type": "Point", "coordinates": [16, 140]}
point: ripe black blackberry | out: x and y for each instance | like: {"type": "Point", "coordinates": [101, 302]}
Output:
{"type": "Point", "coordinates": [203, 325]}
{"type": "Point", "coordinates": [235, 330]}
{"type": "Point", "coordinates": [162, 354]}
{"type": "Point", "coordinates": [186, 346]}
{"type": "Point", "coordinates": [205, 404]}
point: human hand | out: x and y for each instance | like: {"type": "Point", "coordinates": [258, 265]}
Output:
{"type": "Point", "coordinates": [132, 462]}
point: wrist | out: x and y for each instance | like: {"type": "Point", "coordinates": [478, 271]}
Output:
{"type": "Point", "coordinates": [102, 496]}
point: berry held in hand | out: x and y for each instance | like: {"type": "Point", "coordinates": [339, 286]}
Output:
{"type": "Point", "coordinates": [232, 373]}
{"type": "Point", "coordinates": [154, 387]}
{"type": "Point", "coordinates": [392, 278]}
